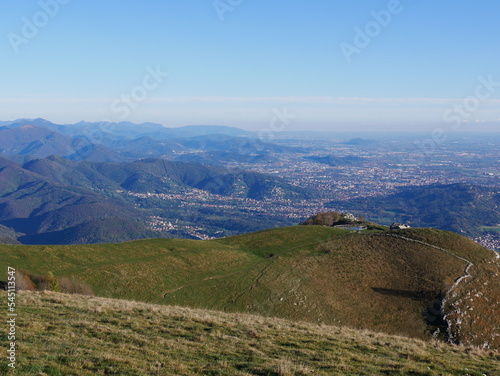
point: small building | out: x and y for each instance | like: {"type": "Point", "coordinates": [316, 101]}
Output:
{"type": "Point", "coordinates": [399, 226]}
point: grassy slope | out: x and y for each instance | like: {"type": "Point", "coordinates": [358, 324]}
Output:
{"type": "Point", "coordinates": [311, 273]}
{"type": "Point", "coordinates": [75, 335]}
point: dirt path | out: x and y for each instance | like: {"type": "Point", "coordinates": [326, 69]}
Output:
{"type": "Point", "coordinates": [204, 279]}
{"type": "Point", "coordinates": [470, 264]}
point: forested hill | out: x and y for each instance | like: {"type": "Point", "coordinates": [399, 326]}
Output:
{"type": "Point", "coordinates": [458, 207]}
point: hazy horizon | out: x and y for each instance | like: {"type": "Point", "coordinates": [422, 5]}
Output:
{"type": "Point", "coordinates": [285, 132]}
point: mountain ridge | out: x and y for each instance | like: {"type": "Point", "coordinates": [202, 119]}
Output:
{"type": "Point", "coordinates": [126, 141]}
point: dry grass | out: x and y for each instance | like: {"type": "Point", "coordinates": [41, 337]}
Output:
{"type": "Point", "coordinates": [63, 334]}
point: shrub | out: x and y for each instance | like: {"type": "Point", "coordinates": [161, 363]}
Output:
{"type": "Point", "coordinates": [24, 282]}
{"type": "Point", "coordinates": [74, 286]}
{"type": "Point", "coordinates": [32, 282]}
{"type": "Point", "coordinates": [41, 282]}
{"type": "Point", "coordinates": [324, 248]}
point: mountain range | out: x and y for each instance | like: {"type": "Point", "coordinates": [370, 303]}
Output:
{"type": "Point", "coordinates": [60, 182]}
{"type": "Point", "coordinates": [58, 201]}
{"type": "Point", "coordinates": [25, 139]}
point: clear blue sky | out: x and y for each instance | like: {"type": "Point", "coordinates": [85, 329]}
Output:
{"type": "Point", "coordinates": [264, 56]}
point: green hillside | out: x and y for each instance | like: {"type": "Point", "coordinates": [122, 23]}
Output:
{"type": "Point", "coordinates": [377, 280]}
{"type": "Point", "coordinates": [162, 176]}
{"type": "Point", "coordinates": [76, 335]}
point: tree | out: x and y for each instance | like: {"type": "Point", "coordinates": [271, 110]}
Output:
{"type": "Point", "coordinates": [23, 281]}
{"type": "Point", "coordinates": [323, 219]}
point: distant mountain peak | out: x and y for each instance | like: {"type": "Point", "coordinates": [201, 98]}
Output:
{"type": "Point", "coordinates": [358, 141]}
{"type": "Point", "coordinates": [42, 120]}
